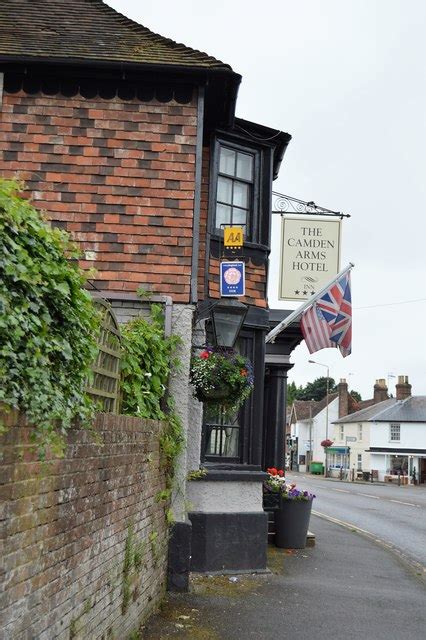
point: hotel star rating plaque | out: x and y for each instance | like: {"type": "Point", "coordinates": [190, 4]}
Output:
{"type": "Point", "coordinates": [232, 279]}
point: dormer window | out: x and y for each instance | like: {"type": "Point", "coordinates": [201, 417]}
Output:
{"type": "Point", "coordinates": [236, 190]}
{"type": "Point", "coordinates": [234, 199]}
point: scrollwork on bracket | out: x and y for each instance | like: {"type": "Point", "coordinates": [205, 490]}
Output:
{"type": "Point", "coordinates": [287, 204]}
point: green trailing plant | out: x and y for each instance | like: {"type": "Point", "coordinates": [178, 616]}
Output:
{"type": "Point", "coordinates": [48, 322]}
{"type": "Point", "coordinates": [197, 474]}
{"type": "Point", "coordinates": [155, 547]}
{"type": "Point", "coordinates": [134, 552]}
{"type": "Point", "coordinates": [149, 357]}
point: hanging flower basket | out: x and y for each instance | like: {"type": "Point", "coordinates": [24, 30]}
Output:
{"type": "Point", "coordinates": [221, 378]}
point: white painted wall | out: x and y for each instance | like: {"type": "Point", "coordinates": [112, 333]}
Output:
{"type": "Point", "coordinates": [359, 446]}
{"type": "Point", "coordinates": [413, 435]}
{"type": "Point", "coordinates": [224, 497]}
{"type": "Point", "coordinates": [301, 430]}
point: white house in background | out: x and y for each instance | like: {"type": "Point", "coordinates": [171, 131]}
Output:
{"type": "Point", "coordinates": [388, 437]}
{"type": "Point", "coordinates": [308, 422]}
{"type": "Point", "coordinates": [308, 425]}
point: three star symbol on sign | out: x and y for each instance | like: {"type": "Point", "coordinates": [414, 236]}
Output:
{"type": "Point", "coordinates": [305, 293]}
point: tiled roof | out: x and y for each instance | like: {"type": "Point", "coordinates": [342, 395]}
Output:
{"type": "Point", "coordinates": [368, 413]}
{"type": "Point", "coordinates": [303, 408]}
{"type": "Point", "coordinates": [412, 409]}
{"type": "Point", "coordinates": [83, 30]}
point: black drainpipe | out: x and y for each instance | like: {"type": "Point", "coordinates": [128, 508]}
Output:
{"type": "Point", "coordinates": [197, 196]}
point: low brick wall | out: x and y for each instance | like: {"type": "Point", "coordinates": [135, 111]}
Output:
{"type": "Point", "coordinates": [85, 541]}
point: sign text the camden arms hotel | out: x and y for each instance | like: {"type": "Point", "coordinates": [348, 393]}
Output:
{"type": "Point", "coordinates": [310, 256]}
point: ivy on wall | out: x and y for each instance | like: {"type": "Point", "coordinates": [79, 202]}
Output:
{"type": "Point", "coordinates": [48, 323]}
{"type": "Point", "coordinates": [149, 357]}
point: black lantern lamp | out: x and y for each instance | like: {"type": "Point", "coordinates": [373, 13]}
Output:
{"type": "Point", "coordinates": [227, 317]}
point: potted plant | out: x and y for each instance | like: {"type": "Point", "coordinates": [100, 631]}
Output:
{"type": "Point", "coordinates": [272, 488]}
{"type": "Point", "coordinates": [293, 513]}
{"type": "Point", "coordinates": [221, 378]}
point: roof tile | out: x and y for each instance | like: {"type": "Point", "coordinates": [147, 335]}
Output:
{"type": "Point", "coordinates": [81, 30]}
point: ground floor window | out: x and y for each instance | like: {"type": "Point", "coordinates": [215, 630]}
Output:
{"type": "Point", "coordinates": [222, 435]}
{"type": "Point", "coordinates": [338, 461]}
{"type": "Point", "coordinates": [233, 439]}
{"type": "Point", "coordinates": [398, 464]}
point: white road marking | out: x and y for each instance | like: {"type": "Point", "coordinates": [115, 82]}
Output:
{"type": "Point", "coordinates": [368, 495]}
{"type": "Point", "coordinates": [342, 490]}
{"type": "Point", "coordinates": [410, 504]}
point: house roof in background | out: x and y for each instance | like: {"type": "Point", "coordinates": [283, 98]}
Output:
{"type": "Point", "coordinates": [302, 408]}
{"type": "Point", "coordinates": [82, 30]}
{"type": "Point", "coordinates": [412, 409]}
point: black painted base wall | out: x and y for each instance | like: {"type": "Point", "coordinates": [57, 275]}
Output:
{"type": "Point", "coordinates": [179, 557]}
{"type": "Point", "coordinates": [229, 541]}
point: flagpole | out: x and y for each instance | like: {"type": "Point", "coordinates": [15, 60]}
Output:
{"type": "Point", "coordinates": [305, 305]}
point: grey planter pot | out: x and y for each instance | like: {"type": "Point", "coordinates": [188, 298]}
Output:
{"type": "Point", "coordinates": [292, 523]}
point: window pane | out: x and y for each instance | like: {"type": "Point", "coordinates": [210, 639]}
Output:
{"type": "Point", "coordinates": [230, 443]}
{"type": "Point", "coordinates": [239, 217]}
{"type": "Point", "coordinates": [244, 166]}
{"type": "Point", "coordinates": [223, 215]}
{"type": "Point", "coordinates": [241, 194]}
{"type": "Point", "coordinates": [227, 161]}
{"type": "Point", "coordinates": [222, 441]}
{"type": "Point", "coordinates": [224, 190]}
{"type": "Point", "coordinates": [214, 442]}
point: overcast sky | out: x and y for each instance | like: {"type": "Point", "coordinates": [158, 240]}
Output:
{"type": "Point", "coordinates": [346, 78]}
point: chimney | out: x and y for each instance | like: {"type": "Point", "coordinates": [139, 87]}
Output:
{"type": "Point", "coordinates": [380, 391]}
{"type": "Point", "coordinates": [403, 388]}
{"type": "Point", "coordinates": [342, 388]}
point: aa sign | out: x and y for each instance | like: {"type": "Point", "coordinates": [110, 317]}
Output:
{"type": "Point", "coordinates": [233, 237]}
{"type": "Point", "coordinates": [310, 256]}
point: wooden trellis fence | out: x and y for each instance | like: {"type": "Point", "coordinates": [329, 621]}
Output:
{"type": "Point", "coordinates": [105, 386]}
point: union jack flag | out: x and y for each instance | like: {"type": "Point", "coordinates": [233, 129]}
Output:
{"type": "Point", "coordinates": [328, 323]}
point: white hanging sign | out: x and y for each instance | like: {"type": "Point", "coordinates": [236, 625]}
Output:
{"type": "Point", "coordinates": [310, 256]}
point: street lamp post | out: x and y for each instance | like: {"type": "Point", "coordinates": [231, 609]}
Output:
{"type": "Point", "coordinates": [326, 406]}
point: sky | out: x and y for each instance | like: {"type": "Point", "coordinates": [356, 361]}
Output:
{"type": "Point", "coordinates": [346, 78]}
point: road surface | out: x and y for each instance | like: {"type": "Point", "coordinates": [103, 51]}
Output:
{"type": "Point", "coordinates": [396, 515]}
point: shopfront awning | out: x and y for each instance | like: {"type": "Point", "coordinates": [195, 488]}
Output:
{"type": "Point", "coordinates": [400, 454]}
{"type": "Point", "coordinates": [341, 450]}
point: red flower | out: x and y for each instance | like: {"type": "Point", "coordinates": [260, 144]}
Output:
{"type": "Point", "coordinates": [272, 471]}
{"type": "Point", "coordinates": [243, 372]}
{"type": "Point", "coordinates": [280, 472]}
{"type": "Point", "coordinates": [204, 355]}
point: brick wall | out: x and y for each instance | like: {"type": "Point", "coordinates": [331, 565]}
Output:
{"type": "Point", "coordinates": [67, 524]}
{"type": "Point", "coordinates": [117, 174]}
{"type": "Point", "coordinates": [120, 176]}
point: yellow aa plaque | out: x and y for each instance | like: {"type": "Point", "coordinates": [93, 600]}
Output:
{"type": "Point", "coordinates": [233, 237]}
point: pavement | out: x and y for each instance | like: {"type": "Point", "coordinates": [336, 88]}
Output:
{"type": "Point", "coordinates": [346, 587]}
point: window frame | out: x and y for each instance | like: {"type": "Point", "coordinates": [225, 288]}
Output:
{"type": "Point", "coordinates": [341, 432]}
{"type": "Point", "coordinates": [249, 418]}
{"type": "Point", "coordinates": [243, 417]}
{"type": "Point", "coordinates": [393, 426]}
{"type": "Point", "coordinates": [253, 231]}
{"type": "Point", "coordinates": [360, 430]}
